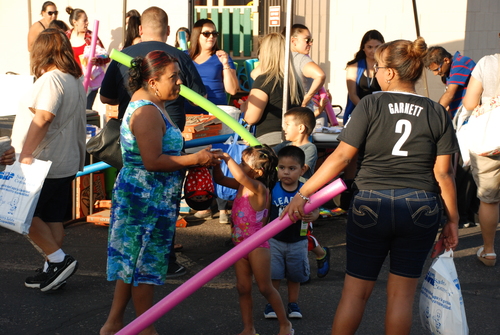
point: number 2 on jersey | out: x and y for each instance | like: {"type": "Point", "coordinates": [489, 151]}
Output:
{"type": "Point", "coordinates": [402, 126]}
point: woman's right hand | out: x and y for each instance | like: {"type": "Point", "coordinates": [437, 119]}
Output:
{"type": "Point", "coordinates": [26, 158]}
{"type": "Point", "coordinates": [295, 209]}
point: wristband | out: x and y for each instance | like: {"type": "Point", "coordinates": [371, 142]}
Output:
{"type": "Point", "coordinates": [307, 199]}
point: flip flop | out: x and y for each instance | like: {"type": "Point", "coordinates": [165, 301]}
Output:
{"type": "Point", "coordinates": [484, 260]}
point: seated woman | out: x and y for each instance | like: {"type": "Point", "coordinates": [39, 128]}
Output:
{"type": "Point", "coordinates": [215, 67]}
{"type": "Point", "coordinates": [218, 73]}
{"type": "Point", "coordinates": [360, 76]}
{"type": "Point", "coordinates": [264, 105]}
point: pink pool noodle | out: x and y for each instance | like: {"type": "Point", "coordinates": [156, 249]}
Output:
{"type": "Point", "coordinates": [225, 261]}
{"type": "Point", "coordinates": [88, 70]}
{"type": "Point", "coordinates": [328, 108]}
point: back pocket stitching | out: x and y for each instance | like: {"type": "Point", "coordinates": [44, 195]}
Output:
{"type": "Point", "coordinates": [423, 210]}
{"type": "Point", "coordinates": [364, 210]}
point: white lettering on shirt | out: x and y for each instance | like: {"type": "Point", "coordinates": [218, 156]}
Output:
{"type": "Point", "coordinates": [405, 108]}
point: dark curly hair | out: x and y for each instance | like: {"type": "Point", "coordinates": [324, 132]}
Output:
{"type": "Point", "coordinates": [151, 66]}
{"type": "Point", "coordinates": [263, 157]}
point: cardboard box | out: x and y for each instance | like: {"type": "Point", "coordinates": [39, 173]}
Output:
{"type": "Point", "coordinates": [181, 223]}
{"type": "Point", "coordinates": [203, 134]}
{"type": "Point", "coordinates": [200, 122]}
{"type": "Point", "coordinates": [111, 112]}
{"type": "Point", "coordinates": [83, 193]}
{"type": "Point", "coordinates": [100, 218]}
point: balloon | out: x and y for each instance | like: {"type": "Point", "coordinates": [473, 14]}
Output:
{"type": "Point", "coordinates": [93, 43]}
{"type": "Point", "coordinates": [199, 142]}
{"type": "Point", "coordinates": [225, 261]}
{"type": "Point", "coordinates": [197, 99]}
{"type": "Point", "coordinates": [121, 58]}
{"type": "Point", "coordinates": [328, 108]}
{"type": "Point", "coordinates": [210, 107]}
{"type": "Point", "coordinates": [93, 168]}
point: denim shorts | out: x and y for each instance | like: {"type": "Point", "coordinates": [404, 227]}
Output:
{"type": "Point", "coordinates": [289, 260]}
{"type": "Point", "coordinates": [401, 222]}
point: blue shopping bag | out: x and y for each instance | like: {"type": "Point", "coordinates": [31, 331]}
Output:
{"type": "Point", "coordinates": [234, 149]}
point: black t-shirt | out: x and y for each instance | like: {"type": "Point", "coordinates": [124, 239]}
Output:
{"type": "Point", "coordinates": [115, 82]}
{"type": "Point", "coordinates": [271, 118]}
{"type": "Point", "coordinates": [399, 136]}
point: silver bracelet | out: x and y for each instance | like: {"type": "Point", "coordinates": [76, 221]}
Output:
{"type": "Point", "coordinates": [307, 199]}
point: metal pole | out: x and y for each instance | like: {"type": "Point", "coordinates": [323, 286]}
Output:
{"type": "Point", "coordinates": [124, 20]}
{"type": "Point", "coordinates": [417, 28]}
{"type": "Point", "coordinates": [288, 25]}
{"type": "Point", "coordinates": [29, 14]}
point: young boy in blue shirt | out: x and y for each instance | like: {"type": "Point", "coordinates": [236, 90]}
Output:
{"type": "Point", "coordinates": [298, 127]}
{"type": "Point", "coordinates": [289, 248]}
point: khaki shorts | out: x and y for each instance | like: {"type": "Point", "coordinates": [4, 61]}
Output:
{"type": "Point", "coordinates": [486, 173]}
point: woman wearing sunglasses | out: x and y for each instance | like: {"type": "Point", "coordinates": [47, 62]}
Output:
{"type": "Point", "coordinates": [218, 73]}
{"type": "Point", "coordinates": [49, 13]}
{"type": "Point", "coordinates": [215, 67]}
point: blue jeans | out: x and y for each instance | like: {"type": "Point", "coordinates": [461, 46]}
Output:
{"type": "Point", "coordinates": [401, 222]}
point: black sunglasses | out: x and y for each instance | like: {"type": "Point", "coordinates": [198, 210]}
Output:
{"type": "Point", "coordinates": [53, 13]}
{"type": "Point", "coordinates": [208, 33]}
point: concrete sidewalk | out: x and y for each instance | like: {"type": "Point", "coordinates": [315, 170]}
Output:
{"type": "Point", "coordinates": [82, 306]}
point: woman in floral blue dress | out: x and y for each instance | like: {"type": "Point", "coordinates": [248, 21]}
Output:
{"type": "Point", "coordinates": [148, 188]}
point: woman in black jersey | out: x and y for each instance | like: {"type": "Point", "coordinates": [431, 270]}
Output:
{"type": "Point", "coordinates": [404, 186]}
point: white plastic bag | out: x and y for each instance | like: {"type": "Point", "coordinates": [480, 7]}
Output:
{"type": "Point", "coordinates": [441, 304]}
{"type": "Point", "coordinates": [482, 129]}
{"type": "Point", "coordinates": [20, 186]}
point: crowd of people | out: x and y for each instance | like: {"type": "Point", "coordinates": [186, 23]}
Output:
{"type": "Point", "coordinates": [403, 166]}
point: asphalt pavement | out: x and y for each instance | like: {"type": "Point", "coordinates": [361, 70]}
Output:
{"type": "Point", "coordinates": [81, 307]}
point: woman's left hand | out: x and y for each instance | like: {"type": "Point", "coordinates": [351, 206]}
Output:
{"type": "Point", "coordinates": [295, 209]}
{"type": "Point", "coordinates": [207, 158]}
{"type": "Point", "coordinates": [223, 58]}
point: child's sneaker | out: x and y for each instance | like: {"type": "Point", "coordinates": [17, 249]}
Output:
{"type": "Point", "coordinates": [294, 311]}
{"type": "Point", "coordinates": [269, 312]}
{"type": "Point", "coordinates": [324, 264]}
